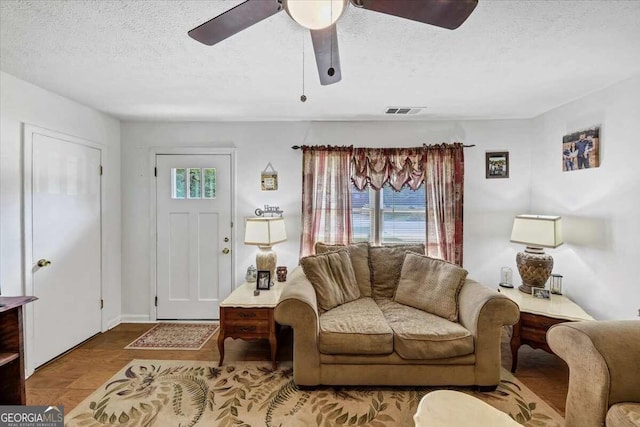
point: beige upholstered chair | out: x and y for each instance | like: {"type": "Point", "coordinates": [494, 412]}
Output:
{"type": "Point", "coordinates": [604, 371]}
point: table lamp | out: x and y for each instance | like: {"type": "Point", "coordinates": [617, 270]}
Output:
{"type": "Point", "coordinates": [265, 232]}
{"type": "Point", "coordinates": [537, 232]}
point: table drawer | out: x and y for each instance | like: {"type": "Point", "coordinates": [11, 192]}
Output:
{"type": "Point", "coordinates": [534, 335]}
{"type": "Point", "coordinates": [537, 321]}
{"type": "Point", "coordinates": [233, 313]}
{"type": "Point", "coordinates": [246, 327]}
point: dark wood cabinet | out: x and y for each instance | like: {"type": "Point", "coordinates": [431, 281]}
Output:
{"type": "Point", "coordinates": [12, 391]}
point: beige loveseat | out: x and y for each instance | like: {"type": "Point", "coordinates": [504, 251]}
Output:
{"type": "Point", "coordinates": [604, 371]}
{"type": "Point", "coordinates": [373, 339]}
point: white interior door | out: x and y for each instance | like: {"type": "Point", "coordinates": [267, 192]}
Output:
{"type": "Point", "coordinates": [193, 211]}
{"type": "Point", "coordinates": [66, 224]}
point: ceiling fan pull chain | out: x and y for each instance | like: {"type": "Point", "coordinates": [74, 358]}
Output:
{"type": "Point", "coordinates": [303, 97]}
{"type": "Point", "coordinates": [331, 71]}
{"type": "Point", "coordinates": [334, 28]}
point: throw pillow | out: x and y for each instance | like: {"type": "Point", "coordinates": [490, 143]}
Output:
{"type": "Point", "coordinates": [332, 277]}
{"type": "Point", "coordinates": [386, 263]}
{"type": "Point", "coordinates": [431, 285]}
{"type": "Point", "coordinates": [359, 254]}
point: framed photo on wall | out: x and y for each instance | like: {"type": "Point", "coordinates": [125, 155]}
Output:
{"type": "Point", "coordinates": [581, 150]}
{"type": "Point", "coordinates": [497, 164]}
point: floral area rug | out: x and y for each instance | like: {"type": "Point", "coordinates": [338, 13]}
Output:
{"type": "Point", "coordinates": [175, 336]}
{"type": "Point", "coordinates": [186, 393]}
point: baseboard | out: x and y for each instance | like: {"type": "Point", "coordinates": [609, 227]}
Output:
{"type": "Point", "coordinates": [113, 323]}
{"type": "Point", "coordinates": [136, 318]}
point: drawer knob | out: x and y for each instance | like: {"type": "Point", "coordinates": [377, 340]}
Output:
{"type": "Point", "coordinates": [248, 329]}
{"type": "Point", "coordinates": [247, 315]}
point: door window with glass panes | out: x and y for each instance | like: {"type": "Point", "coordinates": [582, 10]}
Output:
{"type": "Point", "coordinates": [386, 216]}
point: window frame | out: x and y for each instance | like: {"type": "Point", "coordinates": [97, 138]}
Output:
{"type": "Point", "coordinates": [377, 211]}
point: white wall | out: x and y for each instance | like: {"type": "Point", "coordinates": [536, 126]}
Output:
{"type": "Point", "coordinates": [600, 206]}
{"type": "Point", "coordinates": [22, 102]}
{"type": "Point", "coordinates": [489, 204]}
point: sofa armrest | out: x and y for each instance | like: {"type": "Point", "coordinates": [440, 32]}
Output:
{"type": "Point", "coordinates": [481, 307]}
{"type": "Point", "coordinates": [484, 312]}
{"type": "Point", "coordinates": [298, 308]}
{"type": "Point", "coordinates": [603, 366]}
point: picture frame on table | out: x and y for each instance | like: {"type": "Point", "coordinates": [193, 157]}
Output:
{"type": "Point", "coordinates": [263, 282]}
{"type": "Point", "coordinates": [540, 293]}
{"type": "Point", "coordinates": [497, 164]}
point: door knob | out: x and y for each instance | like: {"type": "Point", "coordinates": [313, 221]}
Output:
{"type": "Point", "coordinates": [43, 262]}
{"type": "Point", "coordinates": [225, 251]}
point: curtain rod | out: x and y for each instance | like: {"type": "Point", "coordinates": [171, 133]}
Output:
{"type": "Point", "coordinates": [297, 147]}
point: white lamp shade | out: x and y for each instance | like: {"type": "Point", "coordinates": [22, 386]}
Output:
{"type": "Point", "coordinates": [316, 14]}
{"type": "Point", "coordinates": [264, 231]}
{"type": "Point", "coordinates": [537, 231]}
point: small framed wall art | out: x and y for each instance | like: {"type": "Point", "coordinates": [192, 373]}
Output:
{"type": "Point", "coordinates": [269, 178]}
{"type": "Point", "coordinates": [581, 150]}
{"type": "Point", "coordinates": [497, 164]}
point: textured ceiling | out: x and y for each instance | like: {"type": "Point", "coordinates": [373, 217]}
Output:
{"type": "Point", "coordinates": [134, 60]}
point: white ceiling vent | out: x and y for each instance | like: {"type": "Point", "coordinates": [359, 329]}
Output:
{"type": "Point", "coordinates": [403, 111]}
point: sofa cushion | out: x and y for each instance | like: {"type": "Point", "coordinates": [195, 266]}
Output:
{"type": "Point", "coordinates": [431, 285]}
{"type": "Point", "coordinates": [357, 327]}
{"type": "Point", "coordinates": [386, 263]}
{"type": "Point", "coordinates": [421, 335]}
{"type": "Point", "coordinates": [625, 414]}
{"type": "Point", "coordinates": [332, 277]}
{"type": "Point", "coordinates": [359, 254]}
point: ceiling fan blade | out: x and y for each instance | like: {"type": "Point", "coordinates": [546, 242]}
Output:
{"type": "Point", "coordinates": [234, 20]}
{"type": "Point", "coordinates": [325, 46]}
{"type": "Point", "coordinates": [448, 14]}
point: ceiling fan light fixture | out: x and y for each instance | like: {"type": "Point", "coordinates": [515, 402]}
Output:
{"type": "Point", "coordinates": [315, 14]}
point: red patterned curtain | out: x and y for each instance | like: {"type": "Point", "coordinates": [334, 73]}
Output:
{"type": "Point", "coordinates": [398, 166]}
{"type": "Point", "coordinates": [326, 199]}
{"type": "Point", "coordinates": [444, 192]}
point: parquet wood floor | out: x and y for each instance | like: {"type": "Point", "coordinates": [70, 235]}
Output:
{"type": "Point", "coordinates": [72, 377]}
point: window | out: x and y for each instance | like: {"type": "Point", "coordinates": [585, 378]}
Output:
{"type": "Point", "coordinates": [193, 183]}
{"type": "Point", "coordinates": [387, 216]}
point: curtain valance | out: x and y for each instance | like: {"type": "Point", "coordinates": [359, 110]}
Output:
{"type": "Point", "coordinates": [396, 166]}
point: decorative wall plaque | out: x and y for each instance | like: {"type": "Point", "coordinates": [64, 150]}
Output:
{"type": "Point", "coordinates": [269, 178]}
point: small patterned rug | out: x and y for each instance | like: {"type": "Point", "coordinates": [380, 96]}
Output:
{"type": "Point", "coordinates": [175, 336]}
{"type": "Point", "coordinates": [246, 394]}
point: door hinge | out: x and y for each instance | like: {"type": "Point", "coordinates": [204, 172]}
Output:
{"type": "Point", "coordinates": [231, 224]}
{"type": "Point", "coordinates": [101, 304]}
{"type": "Point", "coordinates": [156, 300]}
{"type": "Point", "coordinates": [100, 169]}
{"type": "Point", "coordinates": [155, 171]}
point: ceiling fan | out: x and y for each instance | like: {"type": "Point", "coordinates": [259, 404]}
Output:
{"type": "Point", "coordinates": [320, 17]}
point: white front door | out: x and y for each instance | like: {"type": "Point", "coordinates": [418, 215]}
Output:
{"type": "Point", "coordinates": [66, 244]}
{"type": "Point", "coordinates": [193, 211]}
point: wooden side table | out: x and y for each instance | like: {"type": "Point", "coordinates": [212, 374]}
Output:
{"type": "Point", "coordinates": [12, 390]}
{"type": "Point", "coordinates": [537, 315]}
{"type": "Point", "coordinates": [250, 317]}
